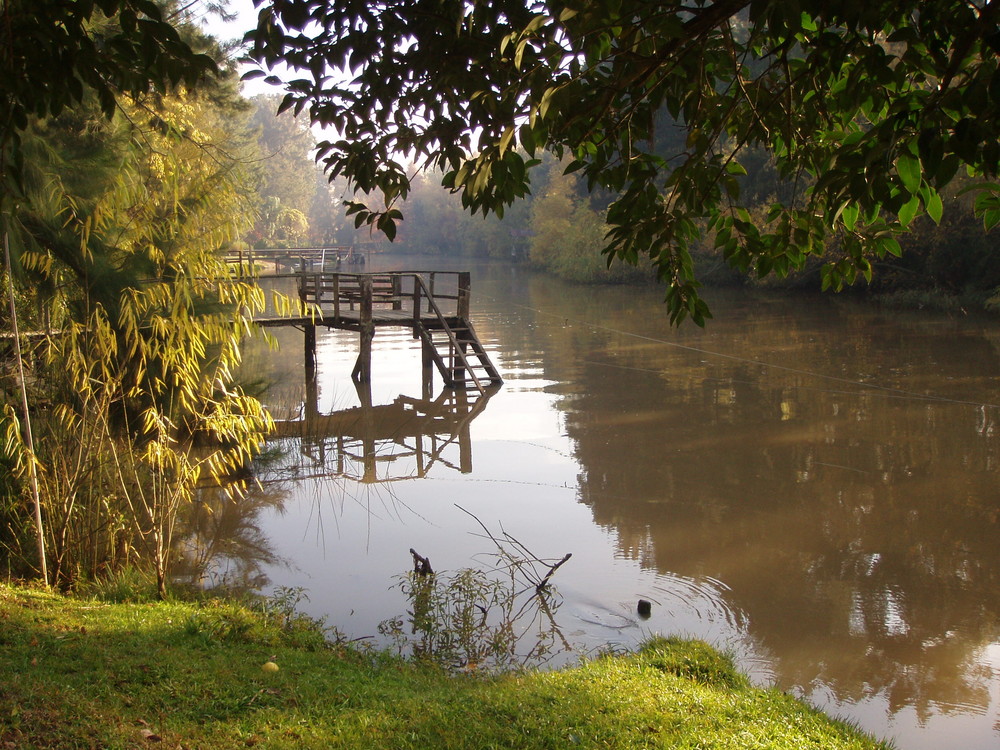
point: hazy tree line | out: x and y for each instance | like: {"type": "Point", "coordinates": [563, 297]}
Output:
{"type": "Point", "coordinates": [560, 227]}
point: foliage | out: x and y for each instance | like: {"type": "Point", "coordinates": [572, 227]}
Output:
{"type": "Point", "coordinates": [286, 174]}
{"type": "Point", "coordinates": [470, 620]}
{"type": "Point", "coordinates": [120, 227]}
{"type": "Point", "coordinates": [868, 110]}
{"type": "Point", "coordinates": [93, 209]}
{"type": "Point", "coordinates": [268, 621]}
{"type": "Point", "coordinates": [436, 224]}
{"type": "Point", "coordinates": [57, 54]}
{"type": "Point", "coordinates": [117, 675]}
{"type": "Point", "coordinates": [568, 234]}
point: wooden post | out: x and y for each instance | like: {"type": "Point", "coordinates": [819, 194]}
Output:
{"type": "Point", "coordinates": [427, 369]}
{"type": "Point", "coordinates": [367, 429]}
{"type": "Point", "coordinates": [416, 301]}
{"type": "Point", "coordinates": [464, 435]}
{"type": "Point", "coordinates": [464, 293]}
{"type": "Point", "coordinates": [312, 386]}
{"type": "Point", "coordinates": [310, 351]}
{"type": "Point", "coordinates": [363, 367]}
{"type": "Point", "coordinates": [397, 303]}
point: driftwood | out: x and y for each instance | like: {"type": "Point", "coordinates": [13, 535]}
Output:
{"type": "Point", "coordinates": [421, 565]}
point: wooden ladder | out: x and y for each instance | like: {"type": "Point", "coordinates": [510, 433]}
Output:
{"type": "Point", "coordinates": [455, 348]}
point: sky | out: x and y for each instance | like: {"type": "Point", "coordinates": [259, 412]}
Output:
{"type": "Point", "coordinates": [225, 31]}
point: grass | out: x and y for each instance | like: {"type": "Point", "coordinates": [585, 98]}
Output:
{"type": "Point", "coordinates": [90, 673]}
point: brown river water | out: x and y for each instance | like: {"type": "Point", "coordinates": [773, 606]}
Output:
{"type": "Point", "coordinates": [809, 483]}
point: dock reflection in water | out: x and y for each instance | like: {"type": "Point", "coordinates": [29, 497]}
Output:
{"type": "Point", "coordinates": [387, 442]}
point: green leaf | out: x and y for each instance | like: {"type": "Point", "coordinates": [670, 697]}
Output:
{"type": "Point", "coordinates": [934, 205]}
{"type": "Point", "coordinates": [388, 227]}
{"type": "Point", "coordinates": [908, 211]}
{"type": "Point", "coordinates": [991, 218]}
{"type": "Point", "coordinates": [849, 215]}
{"type": "Point", "coordinates": [908, 169]}
{"type": "Point", "coordinates": [506, 138]}
{"type": "Point", "coordinates": [889, 246]}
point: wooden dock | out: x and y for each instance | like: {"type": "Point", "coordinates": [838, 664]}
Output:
{"type": "Point", "coordinates": [434, 305]}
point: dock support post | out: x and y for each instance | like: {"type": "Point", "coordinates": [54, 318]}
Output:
{"type": "Point", "coordinates": [362, 372]}
{"type": "Point", "coordinates": [363, 367]}
{"type": "Point", "coordinates": [464, 294]}
{"type": "Point", "coordinates": [310, 351]}
{"type": "Point", "coordinates": [312, 394]}
{"type": "Point", "coordinates": [426, 369]}
{"type": "Point", "coordinates": [464, 433]}
{"type": "Point", "coordinates": [463, 306]}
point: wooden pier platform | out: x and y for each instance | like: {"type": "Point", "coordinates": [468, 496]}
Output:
{"type": "Point", "coordinates": [434, 305]}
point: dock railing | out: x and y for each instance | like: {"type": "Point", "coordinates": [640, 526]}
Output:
{"type": "Point", "coordinates": [434, 304]}
{"type": "Point", "coordinates": [416, 294]}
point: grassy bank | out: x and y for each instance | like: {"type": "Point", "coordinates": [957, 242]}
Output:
{"type": "Point", "coordinates": [79, 673]}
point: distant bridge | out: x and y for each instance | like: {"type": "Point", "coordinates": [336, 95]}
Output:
{"type": "Point", "coordinates": [313, 258]}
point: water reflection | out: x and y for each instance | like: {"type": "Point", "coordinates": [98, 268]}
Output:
{"type": "Point", "coordinates": [390, 442]}
{"type": "Point", "coordinates": [855, 526]}
{"type": "Point", "coordinates": [808, 482]}
{"type": "Point", "coordinates": [222, 542]}
{"type": "Point", "coordinates": [225, 541]}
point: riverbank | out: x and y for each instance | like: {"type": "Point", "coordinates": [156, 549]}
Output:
{"type": "Point", "coordinates": [89, 673]}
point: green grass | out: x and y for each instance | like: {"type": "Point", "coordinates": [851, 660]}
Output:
{"type": "Point", "coordinates": [89, 673]}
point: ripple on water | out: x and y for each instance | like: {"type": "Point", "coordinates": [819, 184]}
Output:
{"type": "Point", "coordinates": [687, 607]}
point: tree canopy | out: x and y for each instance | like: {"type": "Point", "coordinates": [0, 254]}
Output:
{"type": "Point", "coordinates": [55, 53]}
{"type": "Point", "coordinates": [868, 109]}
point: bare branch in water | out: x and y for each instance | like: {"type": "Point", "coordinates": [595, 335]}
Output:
{"type": "Point", "coordinates": [521, 556]}
{"type": "Point", "coordinates": [552, 569]}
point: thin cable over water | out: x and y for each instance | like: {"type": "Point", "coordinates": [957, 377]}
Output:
{"type": "Point", "coordinates": [759, 363]}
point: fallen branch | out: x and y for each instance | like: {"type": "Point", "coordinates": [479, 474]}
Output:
{"type": "Point", "coordinates": [521, 557]}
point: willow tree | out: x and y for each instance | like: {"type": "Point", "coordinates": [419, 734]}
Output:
{"type": "Point", "coordinates": [54, 55]}
{"type": "Point", "coordinates": [867, 107]}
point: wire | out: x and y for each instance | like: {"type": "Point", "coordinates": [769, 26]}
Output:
{"type": "Point", "coordinates": [760, 363]}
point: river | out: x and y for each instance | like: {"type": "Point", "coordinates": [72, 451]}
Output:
{"type": "Point", "coordinates": [809, 483]}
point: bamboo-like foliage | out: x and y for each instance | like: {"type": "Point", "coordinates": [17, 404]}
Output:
{"type": "Point", "coordinates": [149, 323]}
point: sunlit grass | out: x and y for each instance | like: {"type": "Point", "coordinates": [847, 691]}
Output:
{"type": "Point", "coordinates": [84, 673]}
